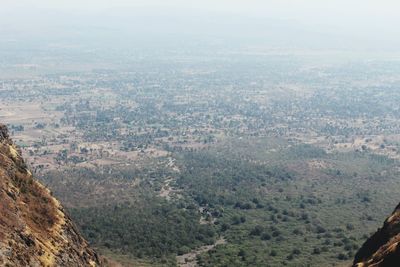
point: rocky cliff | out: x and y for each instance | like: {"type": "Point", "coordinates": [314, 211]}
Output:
{"type": "Point", "coordinates": [34, 229]}
{"type": "Point", "coordinates": [383, 247]}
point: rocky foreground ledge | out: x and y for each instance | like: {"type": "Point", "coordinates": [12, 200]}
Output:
{"type": "Point", "coordinates": [383, 247]}
{"type": "Point", "coordinates": [34, 229]}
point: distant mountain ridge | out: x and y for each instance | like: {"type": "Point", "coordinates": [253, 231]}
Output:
{"type": "Point", "coordinates": [383, 247]}
{"type": "Point", "coordinates": [34, 229]}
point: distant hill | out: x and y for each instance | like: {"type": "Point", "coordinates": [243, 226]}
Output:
{"type": "Point", "coordinates": [34, 229]}
{"type": "Point", "coordinates": [383, 247]}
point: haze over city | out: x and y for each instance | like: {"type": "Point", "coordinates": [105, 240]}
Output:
{"type": "Point", "coordinates": [207, 133]}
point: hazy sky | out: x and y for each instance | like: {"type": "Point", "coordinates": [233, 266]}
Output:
{"type": "Point", "coordinates": [362, 14]}
{"type": "Point", "coordinates": [331, 10]}
{"type": "Point", "coordinates": [373, 19]}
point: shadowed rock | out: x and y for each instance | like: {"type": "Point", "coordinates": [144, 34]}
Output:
{"type": "Point", "coordinates": [382, 248]}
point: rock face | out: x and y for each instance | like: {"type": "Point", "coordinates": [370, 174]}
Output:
{"type": "Point", "coordinates": [34, 229]}
{"type": "Point", "coordinates": [383, 247]}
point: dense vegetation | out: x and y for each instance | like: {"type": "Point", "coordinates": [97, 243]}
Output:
{"type": "Point", "coordinates": [281, 210]}
{"type": "Point", "coordinates": [150, 229]}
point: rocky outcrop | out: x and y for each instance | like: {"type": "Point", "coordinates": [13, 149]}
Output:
{"type": "Point", "coordinates": [34, 229]}
{"type": "Point", "coordinates": [383, 247]}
